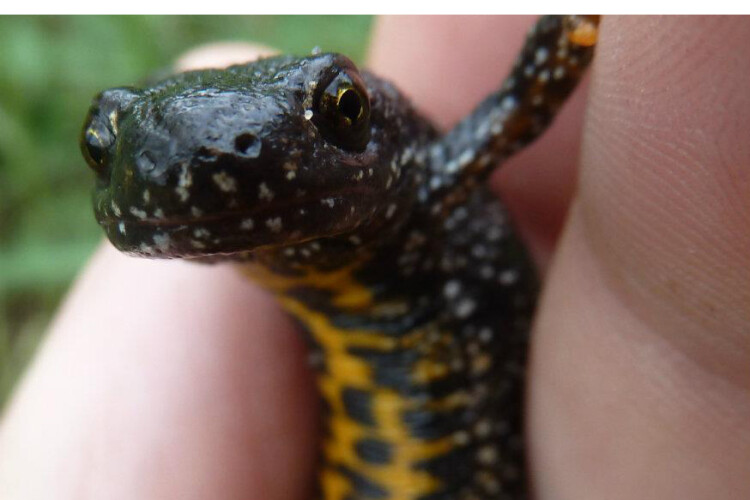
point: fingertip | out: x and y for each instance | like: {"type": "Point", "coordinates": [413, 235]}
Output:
{"type": "Point", "coordinates": [639, 367]}
{"type": "Point", "coordinates": [170, 377]}
{"type": "Point", "coordinates": [663, 186]}
{"type": "Point", "coordinates": [221, 55]}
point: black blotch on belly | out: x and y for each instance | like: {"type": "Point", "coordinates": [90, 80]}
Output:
{"type": "Point", "coordinates": [358, 405]}
{"type": "Point", "coordinates": [429, 425]}
{"type": "Point", "coordinates": [363, 487]}
{"type": "Point", "coordinates": [374, 451]}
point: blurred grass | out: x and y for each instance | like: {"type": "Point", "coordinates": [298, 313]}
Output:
{"type": "Point", "coordinates": [52, 67]}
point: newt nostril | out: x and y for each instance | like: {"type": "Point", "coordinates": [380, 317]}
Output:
{"type": "Point", "coordinates": [145, 162]}
{"type": "Point", "coordinates": [205, 154]}
{"type": "Point", "coordinates": [247, 144]}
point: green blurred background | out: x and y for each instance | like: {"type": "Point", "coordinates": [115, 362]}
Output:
{"type": "Point", "coordinates": [51, 68]}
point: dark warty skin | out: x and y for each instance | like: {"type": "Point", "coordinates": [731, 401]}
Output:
{"type": "Point", "coordinates": [324, 185]}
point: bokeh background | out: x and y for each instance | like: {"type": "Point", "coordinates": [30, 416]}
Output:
{"type": "Point", "coordinates": [51, 68]}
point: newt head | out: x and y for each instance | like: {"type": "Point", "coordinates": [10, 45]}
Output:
{"type": "Point", "coordinates": [276, 152]}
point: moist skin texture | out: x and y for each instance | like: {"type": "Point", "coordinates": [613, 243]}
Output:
{"type": "Point", "coordinates": [323, 184]}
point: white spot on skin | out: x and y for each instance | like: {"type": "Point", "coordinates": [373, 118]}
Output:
{"type": "Point", "coordinates": [390, 211]}
{"type": "Point", "coordinates": [201, 232]}
{"type": "Point", "coordinates": [291, 175]}
{"type": "Point", "coordinates": [159, 213]}
{"type": "Point", "coordinates": [275, 224]}
{"type": "Point", "coordinates": [225, 182]}
{"type": "Point", "coordinates": [247, 224]}
{"type": "Point", "coordinates": [146, 196]}
{"type": "Point", "coordinates": [308, 114]}
{"type": "Point", "coordinates": [508, 277]}
{"type": "Point", "coordinates": [465, 307]}
{"type": "Point", "coordinates": [479, 251]}
{"type": "Point", "coordinates": [494, 233]}
{"type": "Point", "coordinates": [183, 183]}
{"type": "Point", "coordinates": [541, 55]}
{"type": "Point", "coordinates": [487, 455]}
{"type": "Point", "coordinates": [483, 429]}
{"type": "Point", "coordinates": [559, 73]}
{"type": "Point", "coordinates": [328, 201]}
{"type": "Point", "coordinates": [408, 155]}
{"type": "Point", "coordinates": [451, 289]}
{"type": "Point", "coordinates": [197, 212]}
{"type": "Point", "coordinates": [141, 214]}
{"type": "Point", "coordinates": [162, 242]}
{"type": "Point", "coordinates": [508, 103]}
{"type": "Point", "coordinates": [145, 249]}
{"type": "Point", "coordinates": [461, 438]}
{"type": "Point", "coordinates": [483, 129]}
{"type": "Point", "coordinates": [264, 193]}
{"type": "Point", "coordinates": [115, 209]}
{"type": "Point", "coordinates": [465, 158]}
{"type": "Point", "coordinates": [485, 335]}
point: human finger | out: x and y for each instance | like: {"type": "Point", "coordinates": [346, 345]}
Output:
{"type": "Point", "coordinates": [640, 376]}
{"type": "Point", "coordinates": [163, 380]}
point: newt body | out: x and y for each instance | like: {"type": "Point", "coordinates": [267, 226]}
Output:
{"type": "Point", "coordinates": [324, 185]}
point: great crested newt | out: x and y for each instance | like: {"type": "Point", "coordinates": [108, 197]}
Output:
{"type": "Point", "coordinates": [323, 184]}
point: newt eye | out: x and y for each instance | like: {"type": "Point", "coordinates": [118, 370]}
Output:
{"type": "Point", "coordinates": [342, 111]}
{"type": "Point", "coordinates": [96, 140]}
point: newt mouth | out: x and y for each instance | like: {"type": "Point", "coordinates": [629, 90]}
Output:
{"type": "Point", "coordinates": [197, 234]}
{"type": "Point", "coordinates": [352, 196]}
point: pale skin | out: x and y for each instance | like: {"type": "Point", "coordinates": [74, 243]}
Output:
{"type": "Point", "coordinates": [163, 380]}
